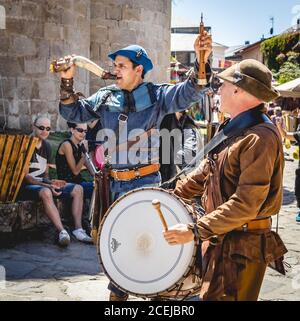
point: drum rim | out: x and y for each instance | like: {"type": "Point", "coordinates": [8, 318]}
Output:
{"type": "Point", "coordinates": [185, 274]}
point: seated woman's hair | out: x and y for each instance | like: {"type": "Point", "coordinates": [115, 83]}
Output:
{"type": "Point", "coordinates": [71, 125]}
{"type": "Point", "coordinates": [38, 117]}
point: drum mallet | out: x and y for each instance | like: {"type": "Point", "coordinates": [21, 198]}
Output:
{"type": "Point", "coordinates": [156, 205]}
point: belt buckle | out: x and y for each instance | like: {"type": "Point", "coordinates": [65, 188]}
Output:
{"type": "Point", "coordinates": [137, 173]}
{"type": "Point", "coordinates": [245, 227]}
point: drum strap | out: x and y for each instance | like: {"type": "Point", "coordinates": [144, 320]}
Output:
{"type": "Point", "coordinates": [228, 130]}
{"type": "Point", "coordinates": [102, 200]}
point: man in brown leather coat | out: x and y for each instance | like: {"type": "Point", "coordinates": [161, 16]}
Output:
{"type": "Point", "coordinates": [240, 183]}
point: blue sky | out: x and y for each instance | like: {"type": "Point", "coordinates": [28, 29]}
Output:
{"type": "Point", "coordinates": [235, 21]}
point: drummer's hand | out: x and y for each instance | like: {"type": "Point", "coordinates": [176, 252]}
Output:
{"type": "Point", "coordinates": [179, 234]}
{"type": "Point", "coordinates": [68, 74]}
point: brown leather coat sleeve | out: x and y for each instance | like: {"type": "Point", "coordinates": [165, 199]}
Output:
{"type": "Point", "coordinates": [257, 160]}
{"type": "Point", "coordinates": [193, 184]}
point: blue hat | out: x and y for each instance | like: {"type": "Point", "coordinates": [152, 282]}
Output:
{"type": "Point", "coordinates": [135, 53]}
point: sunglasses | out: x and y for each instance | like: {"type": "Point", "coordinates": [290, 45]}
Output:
{"type": "Point", "coordinates": [42, 128]}
{"type": "Point", "coordinates": [81, 130]}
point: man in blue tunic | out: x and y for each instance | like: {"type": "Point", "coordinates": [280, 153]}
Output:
{"type": "Point", "coordinates": [130, 113]}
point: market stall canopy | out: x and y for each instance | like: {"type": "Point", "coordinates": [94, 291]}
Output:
{"type": "Point", "coordinates": [290, 89]}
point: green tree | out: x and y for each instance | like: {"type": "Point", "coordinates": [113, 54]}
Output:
{"type": "Point", "coordinates": [274, 49]}
{"type": "Point", "coordinates": [290, 69]}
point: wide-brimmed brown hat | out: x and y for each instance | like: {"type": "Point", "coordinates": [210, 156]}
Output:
{"type": "Point", "coordinates": [252, 76]}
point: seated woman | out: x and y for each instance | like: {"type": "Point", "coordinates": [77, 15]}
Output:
{"type": "Point", "coordinates": [70, 158]}
{"type": "Point", "coordinates": [37, 186]}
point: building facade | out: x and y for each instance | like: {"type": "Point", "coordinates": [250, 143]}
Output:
{"type": "Point", "coordinates": [182, 46]}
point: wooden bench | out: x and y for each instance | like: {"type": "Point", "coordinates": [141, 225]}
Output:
{"type": "Point", "coordinates": [15, 154]}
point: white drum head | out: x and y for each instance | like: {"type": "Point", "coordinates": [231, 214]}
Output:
{"type": "Point", "coordinates": [132, 248]}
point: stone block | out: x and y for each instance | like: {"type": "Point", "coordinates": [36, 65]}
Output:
{"type": "Point", "coordinates": [48, 89]}
{"type": "Point", "coordinates": [24, 88]}
{"type": "Point", "coordinates": [25, 123]}
{"type": "Point", "coordinates": [35, 66]}
{"type": "Point", "coordinates": [124, 36]}
{"type": "Point", "coordinates": [95, 51]}
{"type": "Point", "coordinates": [53, 12]}
{"type": "Point", "coordinates": [130, 13]}
{"type": "Point", "coordinates": [4, 45]}
{"type": "Point", "coordinates": [69, 18]}
{"type": "Point", "coordinates": [43, 48]}
{"type": "Point", "coordinates": [61, 124]}
{"type": "Point", "coordinates": [66, 4]}
{"type": "Point", "coordinates": [31, 11]}
{"type": "Point", "coordinates": [27, 215]}
{"type": "Point", "coordinates": [13, 122]}
{"type": "Point", "coordinates": [54, 117]}
{"type": "Point", "coordinates": [167, 7]}
{"type": "Point", "coordinates": [4, 110]}
{"type": "Point", "coordinates": [83, 29]}
{"type": "Point", "coordinates": [81, 8]}
{"type": "Point", "coordinates": [13, 9]}
{"type": "Point", "coordinates": [24, 107]}
{"type": "Point", "coordinates": [33, 29]}
{"type": "Point", "coordinates": [99, 34]}
{"type": "Point", "coordinates": [8, 216]}
{"type": "Point", "coordinates": [23, 46]}
{"type": "Point", "coordinates": [53, 107]}
{"type": "Point", "coordinates": [14, 25]}
{"type": "Point", "coordinates": [97, 10]}
{"type": "Point", "coordinates": [9, 87]}
{"type": "Point", "coordinates": [112, 24]}
{"type": "Point", "coordinates": [35, 94]}
{"type": "Point", "coordinates": [53, 31]}
{"type": "Point", "coordinates": [113, 12]}
{"type": "Point", "coordinates": [38, 107]}
{"type": "Point", "coordinates": [14, 107]}
{"type": "Point", "coordinates": [56, 49]}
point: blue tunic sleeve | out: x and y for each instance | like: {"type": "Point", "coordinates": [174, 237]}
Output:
{"type": "Point", "coordinates": [175, 98]}
{"type": "Point", "coordinates": [84, 110]}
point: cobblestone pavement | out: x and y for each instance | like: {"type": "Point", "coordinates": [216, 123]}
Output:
{"type": "Point", "coordinates": [40, 271]}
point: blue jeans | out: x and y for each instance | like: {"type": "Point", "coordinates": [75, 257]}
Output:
{"type": "Point", "coordinates": [88, 188]}
{"type": "Point", "coordinates": [31, 192]}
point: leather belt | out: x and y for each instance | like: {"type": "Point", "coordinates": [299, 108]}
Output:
{"type": "Point", "coordinates": [130, 174]}
{"type": "Point", "coordinates": [262, 224]}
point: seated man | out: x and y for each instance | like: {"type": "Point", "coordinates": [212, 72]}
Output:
{"type": "Point", "coordinates": [36, 185]}
{"type": "Point", "coordinates": [70, 158]}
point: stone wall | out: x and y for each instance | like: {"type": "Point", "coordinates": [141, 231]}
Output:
{"type": "Point", "coordinates": [39, 31]}
{"type": "Point", "coordinates": [118, 23]}
{"type": "Point", "coordinates": [36, 32]}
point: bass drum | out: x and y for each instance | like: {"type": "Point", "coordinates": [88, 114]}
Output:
{"type": "Point", "coordinates": [134, 254]}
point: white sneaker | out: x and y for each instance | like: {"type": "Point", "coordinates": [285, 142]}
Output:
{"type": "Point", "coordinates": [64, 238]}
{"type": "Point", "coordinates": [81, 236]}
